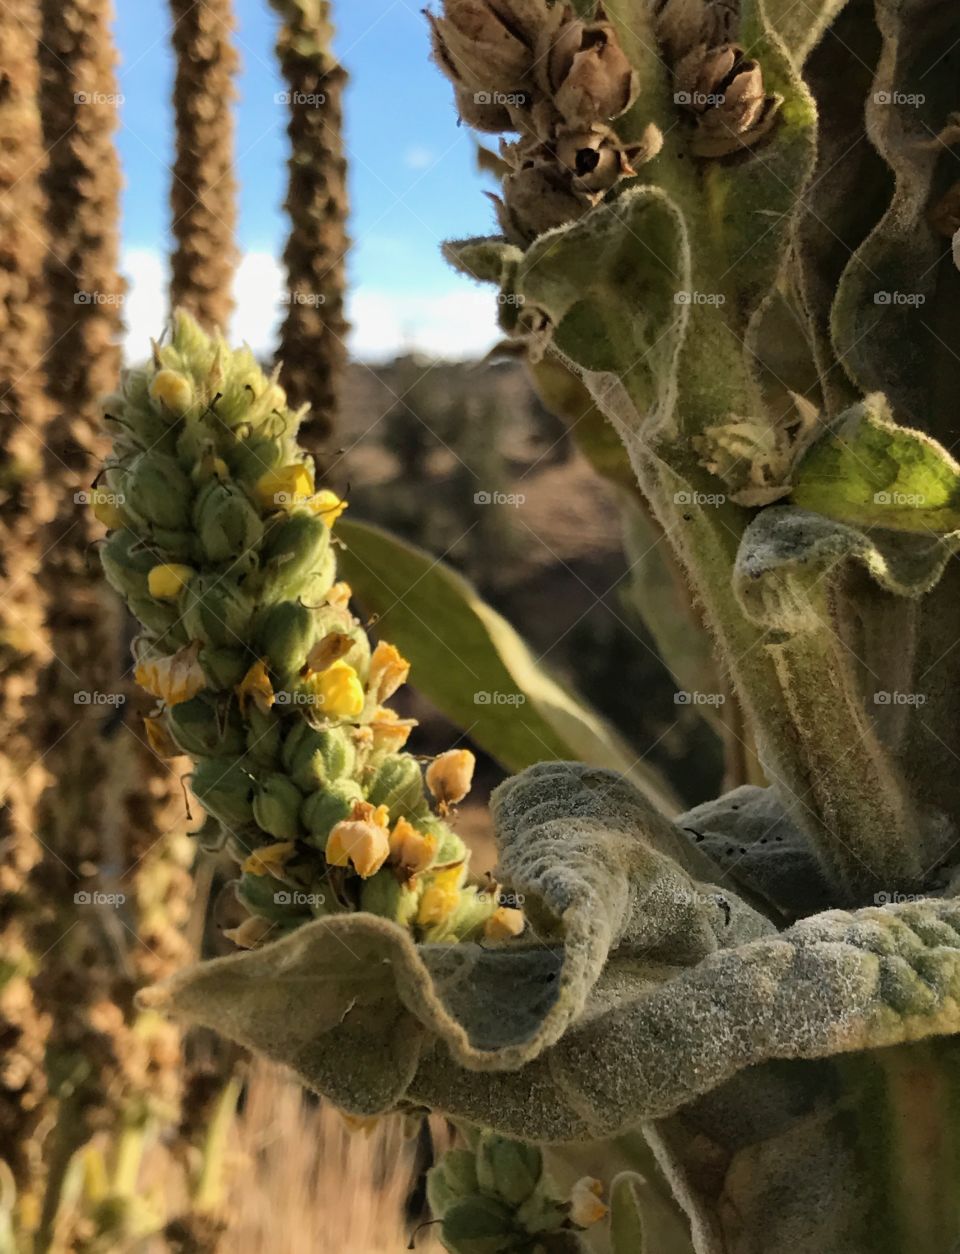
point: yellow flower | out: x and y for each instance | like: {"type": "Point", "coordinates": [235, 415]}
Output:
{"type": "Point", "coordinates": [586, 1208]}
{"type": "Point", "coordinates": [159, 738]}
{"type": "Point", "coordinates": [285, 486]}
{"type": "Point", "coordinates": [388, 670]}
{"type": "Point", "coordinates": [441, 896]}
{"type": "Point", "coordinates": [172, 389]}
{"type": "Point", "coordinates": [340, 594]}
{"type": "Point", "coordinates": [264, 861]}
{"type": "Point", "coordinates": [389, 731]}
{"type": "Point", "coordinates": [105, 509]}
{"type": "Point", "coordinates": [504, 924]}
{"type": "Point", "coordinates": [166, 582]}
{"type": "Point", "coordinates": [328, 505]}
{"type": "Point", "coordinates": [338, 690]}
{"type": "Point", "coordinates": [450, 775]}
{"type": "Point", "coordinates": [363, 841]}
{"type": "Point", "coordinates": [256, 684]}
{"type": "Point", "coordinates": [411, 850]}
{"type": "Point", "coordinates": [174, 679]}
{"type": "Point", "coordinates": [330, 649]}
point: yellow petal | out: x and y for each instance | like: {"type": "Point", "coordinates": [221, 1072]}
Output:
{"type": "Point", "coordinates": [105, 508]}
{"type": "Point", "coordinates": [388, 670]}
{"type": "Point", "coordinates": [167, 581]}
{"type": "Point", "coordinates": [328, 505]}
{"type": "Point", "coordinates": [266, 860]}
{"type": "Point", "coordinates": [283, 487]}
{"type": "Point", "coordinates": [586, 1208]}
{"type": "Point", "coordinates": [339, 691]}
{"type": "Point", "coordinates": [389, 731]}
{"type": "Point", "coordinates": [172, 389]}
{"type": "Point", "coordinates": [504, 924]}
{"type": "Point", "coordinates": [340, 594]}
{"type": "Point", "coordinates": [361, 842]}
{"type": "Point", "coordinates": [256, 684]}
{"type": "Point", "coordinates": [410, 849]}
{"type": "Point", "coordinates": [450, 775]}
{"type": "Point", "coordinates": [159, 738]}
{"type": "Point", "coordinates": [174, 679]}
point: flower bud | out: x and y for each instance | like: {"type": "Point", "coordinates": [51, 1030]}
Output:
{"type": "Point", "coordinates": [586, 1207]}
{"type": "Point", "coordinates": [216, 611]}
{"type": "Point", "coordinates": [200, 728]}
{"type": "Point", "coordinates": [173, 391]}
{"type": "Point", "coordinates": [588, 74]}
{"type": "Point", "coordinates": [224, 667]}
{"type": "Point", "coordinates": [450, 775]}
{"type": "Point", "coordinates": [508, 1169]}
{"type": "Point", "coordinates": [454, 1178]}
{"type": "Point", "coordinates": [269, 898]}
{"type": "Point", "coordinates": [225, 788]}
{"type": "Point", "coordinates": [264, 737]}
{"type": "Point", "coordinates": [315, 757]}
{"type": "Point", "coordinates": [173, 678]}
{"type": "Point", "coordinates": [158, 492]}
{"type": "Point", "coordinates": [167, 581]}
{"type": "Point", "coordinates": [226, 522]}
{"type": "Point", "coordinates": [295, 547]}
{"type": "Point", "coordinates": [284, 634]}
{"type": "Point", "coordinates": [384, 895]}
{"type": "Point", "coordinates": [250, 459]}
{"type": "Point", "coordinates": [127, 563]}
{"type": "Point", "coordinates": [323, 809]}
{"type": "Point", "coordinates": [160, 618]}
{"type": "Point", "coordinates": [398, 784]}
{"type": "Point", "coordinates": [482, 1225]}
{"type": "Point", "coordinates": [276, 806]}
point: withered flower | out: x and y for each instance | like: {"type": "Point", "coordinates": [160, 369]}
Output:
{"type": "Point", "coordinates": [488, 46]}
{"type": "Point", "coordinates": [597, 160]}
{"type": "Point", "coordinates": [725, 91]}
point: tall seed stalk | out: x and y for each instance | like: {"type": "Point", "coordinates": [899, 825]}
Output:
{"type": "Point", "coordinates": [312, 347]}
{"type": "Point", "coordinates": [203, 194]}
{"type": "Point", "coordinates": [24, 503]}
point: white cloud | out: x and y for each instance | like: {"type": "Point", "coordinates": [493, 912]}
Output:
{"type": "Point", "coordinates": [419, 158]}
{"type": "Point", "coordinates": [457, 323]}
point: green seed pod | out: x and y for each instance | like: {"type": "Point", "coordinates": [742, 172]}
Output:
{"type": "Point", "coordinates": [315, 757]}
{"type": "Point", "coordinates": [294, 551]}
{"type": "Point", "coordinates": [126, 563]}
{"type": "Point", "coordinates": [398, 784]}
{"type": "Point", "coordinates": [180, 546]}
{"type": "Point", "coordinates": [328, 806]}
{"type": "Point", "coordinates": [284, 634]}
{"type": "Point", "coordinates": [450, 847]}
{"type": "Point", "coordinates": [164, 621]}
{"type": "Point", "coordinates": [316, 587]}
{"type": "Point", "coordinates": [481, 1225]}
{"type": "Point", "coordinates": [225, 788]}
{"type": "Point", "coordinates": [271, 898]}
{"type": "Point", "coordinates": [158, 492]}
{"type": "Point", "coordinates": [216, 611]}
{"type": "Point", "coordinates": [276, 806]}
{"type": "Point", "coordinates": [226, 522]}
{"type": "Point", "coordinates": [454, 1178]}
{"type": "Point", "coordinates": [264, 737]}
{"type": "Point", "coordinates": [508, 1169]}
{"type": "Point", "coordinates": [467, 920]}
{"type": "Point", "coordinates": [200, 728]}
{"type": "Point", "coordinates": [250, 458]}
{"type": "Point", "coordinates": [384, 895]}
{"type": "Point", "coordinates": [224, 667]}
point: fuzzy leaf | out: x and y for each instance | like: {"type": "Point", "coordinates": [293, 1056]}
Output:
{"type": "Point", "coordinates": [870, 472]}
{"type": "Point", "coordinates": [802, 27]}
{"type": "Point", "coordinates": [626, 1215]}
{"type": "Point", "coordinates": [484, 258]}
{"type": "Point", "coordinates": [472, 665]}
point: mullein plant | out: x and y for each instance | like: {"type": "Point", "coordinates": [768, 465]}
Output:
{"type": "Point", "coordinates": [736, 225]}
{"type": "Point", "coordinates": [223, 549]}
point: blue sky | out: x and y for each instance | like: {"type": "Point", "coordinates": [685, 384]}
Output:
{"type": "Point", "coordinates": [413, 180]}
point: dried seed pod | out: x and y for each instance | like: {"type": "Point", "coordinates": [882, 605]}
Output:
{"type": "Point", "coordinates": [725, 92]}
{"type": "Point", "coordinates": [597, 160]}
{"type": "Point", "coordinates": [489, 45]}
{"type": "Point", "coordinates": [683, 25]}
{"type": "Point", "coordinates": [483, 111]}
{"type": "Point", "coordinates": [587, 73]}
{"type": "Point", "coordinates": [537, 199]}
